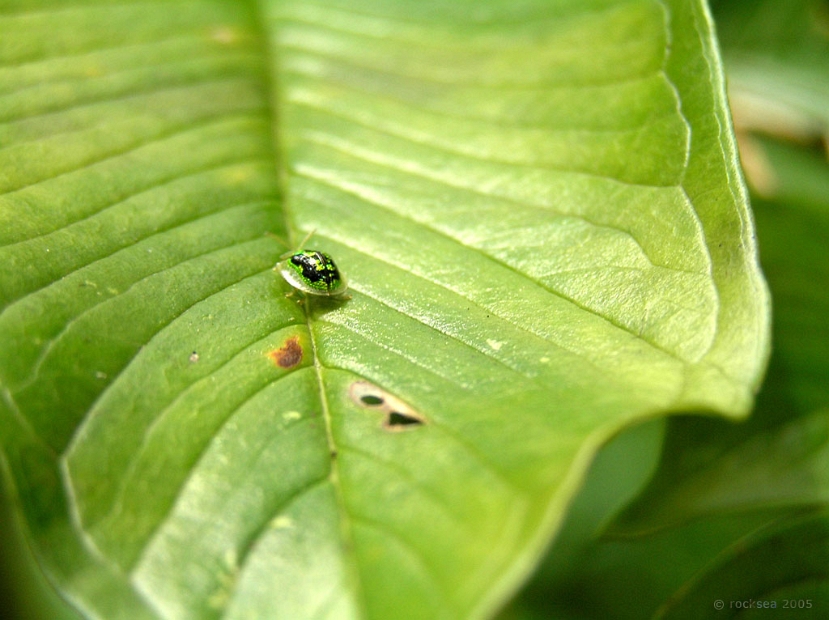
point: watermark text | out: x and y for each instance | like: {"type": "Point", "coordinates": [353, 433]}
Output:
{"type": "Point", "coordinates": [786, 603]}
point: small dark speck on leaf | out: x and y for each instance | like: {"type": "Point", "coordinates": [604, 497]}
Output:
{"type": "Point", "coordinates": [288, 355]}
{"type": "Point", "coordinates": [371, 400]}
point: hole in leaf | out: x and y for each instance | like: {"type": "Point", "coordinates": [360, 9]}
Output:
{"type": "Point", "coordinates": [401, 419]}
{"type": "Point", "coordinates": [397, 415]}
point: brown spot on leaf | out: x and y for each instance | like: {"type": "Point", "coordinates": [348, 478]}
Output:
{"type": "Point", "coordinates": [289, 355]}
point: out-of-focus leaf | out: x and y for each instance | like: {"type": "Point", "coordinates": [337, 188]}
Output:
{"type": "Point", "coordinates": [25, 593]}
{"type": "Point", "coordinates": [776, 54]}
{"type": "Point", "coordinates": [781, 569]}
{"type": "Point", "coordinates": [632, 578]}
{"type": "Point", "coordinates": [786, 466]}
{"type": "Point", "coordinates": [793, 227]}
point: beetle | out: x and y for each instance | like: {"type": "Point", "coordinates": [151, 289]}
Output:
{"type": "Point", "coordinates": [312, 272]}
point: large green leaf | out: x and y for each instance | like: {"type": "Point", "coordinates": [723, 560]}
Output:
{"type": "Point", "coordinates": [782, 457]}
{"type": "Point", "coordinates": [735, 513]}
{"type": "Point", "coordinates": [753, 578]}
{"type": "Point", "coordinates": [540, 214]}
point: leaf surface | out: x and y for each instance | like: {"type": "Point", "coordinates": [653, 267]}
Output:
{"type": "Point", "coordinates": [735, 513]}
{"type": "Point", "coordinates": [540, 215]}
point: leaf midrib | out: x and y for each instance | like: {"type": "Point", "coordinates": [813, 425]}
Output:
{"type": "Point", "coordinates": [271, 54]}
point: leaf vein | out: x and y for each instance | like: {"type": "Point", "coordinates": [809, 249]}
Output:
{"type": "Point", "coordinates": [153, 90]}
{"type": "Point", "coordinates": [455, 153]}
{"type": "Point", "coordinates": [443, 505]}
{"type": "Point", "coordinates": [158, 184]}
{"type": "Point", "coordinates": [523, 276]}
{"type": "Point", "coordinates": [55, 340]}
{"type": "Point", "coordinates": [414, 553]}
{"type": "Point", "coordinates": [135, 457]}
{"type": "Point", "coordinates": [460, 82]}
{"type": "Point", "coordinates": [264, 527]}
{"type": "Point", "coordinates": [174, 132]}
{"type": "Point", "coordinates": [383, 345]}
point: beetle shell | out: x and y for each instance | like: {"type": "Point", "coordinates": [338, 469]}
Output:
{"type": "Point", "coordinates": [314, 273]}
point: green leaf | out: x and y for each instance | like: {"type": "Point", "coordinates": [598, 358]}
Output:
{"type": "Point", "coordinates": [793, 225]}
{"type": "Point", "coordinates": [786, 466]}
{"type": "Point", "coordinates": [735, 512]}
{"type": "Point", "coordinates": [541, 217]}
{"type": "Point", "coordinates": [762, 574]}
{"type": "Point", "coordinates": [24, 590]}
{"type": "Point", "coordinates": [776, 57]}
{"type": "Point", "coordinates": [781, 458]}
{"type": "Point", "coordinates": [633, 578]}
